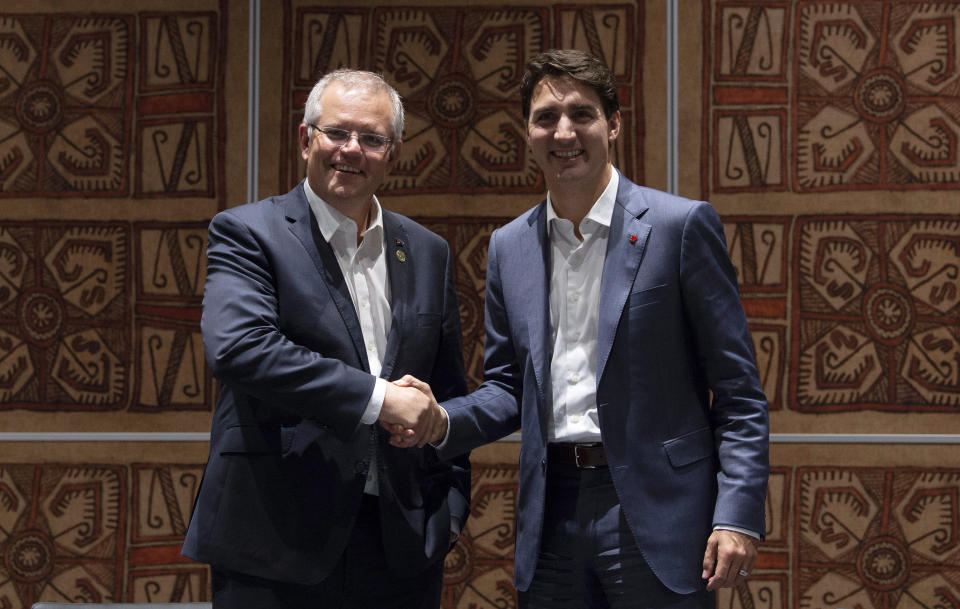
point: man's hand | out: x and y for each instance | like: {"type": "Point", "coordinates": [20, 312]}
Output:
{"type": "Point", "coordinates": [403, 436]}
{"type": "Point", "coordinates": [411, 414]}
{"type": "Point", "coordinates": [728, 553]}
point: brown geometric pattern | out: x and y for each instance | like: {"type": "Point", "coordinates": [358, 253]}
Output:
{"type": "Point", "coordinates": [75, 108]}
{"type": "Point", "coordinates": [169, 362]}
{"type": "Point", "coordinates": [163, 497]}
{"type": "Point", "coordinates": [66, 313]}
{"type": "Point", "coordinates": [857, 537]}
{"type": "Point", "coordinates": [458, 69]}
{"type": "Point", "coordinates": [837, 536]}
{"type": "Point", "coordinates": [64, 537]}
{"type": "Point", "coordinates": [818, 96]}
{"type": "Point", "coordinates": [176, 105]}
{"type": "Point", "coordinates": [872, 538]}
{"type": "Point", "coordinates": [112, 161]}
{"type": "Point", "coordinates": [758, 248]}
{"type": "Point", "coordinates": [62, 533]}
{"type": "Point", "coordinates": [56, 278]}
{"type": "Point", "coordinates": [875, 320]}
{"type": "Point", "coordinates": [65, 105]}
{"type": "Point", "coordinates": [479, 570]}
{"type": "Point", "coordinates": [469, 239]}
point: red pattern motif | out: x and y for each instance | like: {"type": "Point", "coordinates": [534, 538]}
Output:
{"type": "Point", "coordinates": [67, 105]}
{"type": "Point", "coordinates": [65, 314]}
{"type": "Point", "coordinates": [875, 316]}
{"type": "Point", "coordinates": [65, 92]}
{"type": "Point", "coordinates": [836, 537]}
{"type": "Point", "coordinates": [62, 533]}
{"type": "Point", "coordinates": [170, 369]}
{"type": "Point", "coordinates": [162, 499]}
{"type": "Point", "coordinates": [758, 248]}
{"type": "Point", "coordinates": [179, 97]}
{"type": "Point", "coordinates": [54, 278]}
{"type": "Point", "coordinates": [868, 86]}
{"type": "Point", "coordinates": [875, 538]}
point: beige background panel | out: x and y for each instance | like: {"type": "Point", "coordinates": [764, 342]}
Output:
{"type": "Point", "coordinates": [809, 146]}
{"type": "Point", "coordinates": [871, 521]}
{"type": "Point", "coordinates": [118, 142]}
{"type": "Point", "coordinates": [770, 124]}
{"type": "Point", "coordinates": [856, 525]}
{"type": "Point", "coordinates": [98, 522]}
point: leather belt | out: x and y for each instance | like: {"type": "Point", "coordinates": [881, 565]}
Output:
{"type": "Point", "coordinates": [584, 456]}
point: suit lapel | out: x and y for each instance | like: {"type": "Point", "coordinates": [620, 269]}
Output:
{"type": "Point", "coordinates": [534, 254]}
{"type": "Point", "coordinates": [628, 240]}
{"type": "Point", "coordinates": [303, 226]}
{"type": "Point", "coordinates": [399, 255]}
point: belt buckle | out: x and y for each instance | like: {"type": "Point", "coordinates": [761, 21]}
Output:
{"type": "Point", "coordinates": [576, 457]}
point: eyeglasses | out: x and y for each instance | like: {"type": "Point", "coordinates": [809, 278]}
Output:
{"type": "Point", "coordinates": [370, 142]}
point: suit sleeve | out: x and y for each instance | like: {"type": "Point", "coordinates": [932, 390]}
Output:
{"type": "Point", "coordinates": [246, 349]}
{"type": "Point", "coordinates": [447, 381]}
{"type": "Point", "coordinates": [738, 413]}
{"type": "Point", "coordinates": [493, 410]}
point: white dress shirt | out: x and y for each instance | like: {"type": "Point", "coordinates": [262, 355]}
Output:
{"type": "Point", "coordinates": [364, 269]}
{"type": "Point", "coordinates": [577, 268]}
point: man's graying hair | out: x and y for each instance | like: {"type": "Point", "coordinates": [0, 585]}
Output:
{"type": "Point", "coordinates": [582, 67]}
{"type": "Point", "coordinates": [360, 79]}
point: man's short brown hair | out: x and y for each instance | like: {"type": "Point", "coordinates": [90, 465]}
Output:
{"type": "Point", "coordinates": [578, 65]}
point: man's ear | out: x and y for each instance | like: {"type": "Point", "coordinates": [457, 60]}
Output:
{"type": "Point", "coordinates": [304, 134]}
{"type": "Point", "coordinates": [613, 127]}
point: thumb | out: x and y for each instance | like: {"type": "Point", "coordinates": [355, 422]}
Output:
{"type": "Point", "coordinates": [406, 380]}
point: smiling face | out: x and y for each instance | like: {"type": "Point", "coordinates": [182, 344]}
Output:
{"type": "Point", "coordinates": [570, 137]}
{"type": "Point", "coordinates": [346, 176]}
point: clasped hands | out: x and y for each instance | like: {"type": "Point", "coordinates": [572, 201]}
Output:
{"type": "Point", "coordinates": [411, 414]}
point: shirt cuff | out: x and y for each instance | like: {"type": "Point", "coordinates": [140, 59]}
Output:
{"type": "Point", "coordinates": [446, 433]}
{"type": "Point", "coordinates": [375, 403]}
{"type": "Point", "coordinates": [727, 527]}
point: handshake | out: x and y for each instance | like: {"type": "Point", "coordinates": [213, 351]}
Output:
{"type": "Point", "coordinates": [411, 414]}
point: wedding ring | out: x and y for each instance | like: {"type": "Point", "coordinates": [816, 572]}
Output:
{"type": "Point", "coordinates": [743, 573]}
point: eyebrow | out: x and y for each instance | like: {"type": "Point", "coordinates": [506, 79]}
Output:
{"type": "Point", "coordinates": [556, 107]}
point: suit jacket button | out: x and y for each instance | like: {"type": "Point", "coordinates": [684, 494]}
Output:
{"type": "Point", "coordinates": [360, 467]}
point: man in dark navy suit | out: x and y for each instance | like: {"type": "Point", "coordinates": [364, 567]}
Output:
{"type": "Point", "coordinates": [314, 299]}
{"type": "Point", "coordinates": [616, 339]}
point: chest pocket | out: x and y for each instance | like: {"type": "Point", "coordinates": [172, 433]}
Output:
{"type": "Point", "coordinates": [646, 298]}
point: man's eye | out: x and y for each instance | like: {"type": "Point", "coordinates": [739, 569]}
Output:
{"type": "Point", "coordinates": [371, 139]}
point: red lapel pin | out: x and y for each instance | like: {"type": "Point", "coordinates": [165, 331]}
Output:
{"type": "Point", "coordinates": [633, 238]}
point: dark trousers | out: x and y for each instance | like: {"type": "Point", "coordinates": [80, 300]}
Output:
{"type": "Point", "coordinates": [588, 557]}
{"type": "Point", "coordinates": [361, 579]}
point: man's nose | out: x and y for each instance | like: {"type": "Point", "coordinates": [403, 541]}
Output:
{"type": "Point", "coordinates": [564, 128]}
{"type": "Point", "coordinates": [352, 145]}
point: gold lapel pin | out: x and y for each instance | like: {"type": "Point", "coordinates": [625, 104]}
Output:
{"type": "Point", "coordinates": [401, 256]}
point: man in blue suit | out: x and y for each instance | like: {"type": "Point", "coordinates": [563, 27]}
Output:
{"type": "Point", "coordinates": [616, 339]}
{"type": "Point", "coordinates": [313, 300]}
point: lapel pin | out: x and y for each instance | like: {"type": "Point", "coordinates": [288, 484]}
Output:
{"type": "Point", "coordinates": [399, 242]}
{"type": "Point", "coordinates": [401, 255]}
{"type": "Point", "coordinates": [633, 238]}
